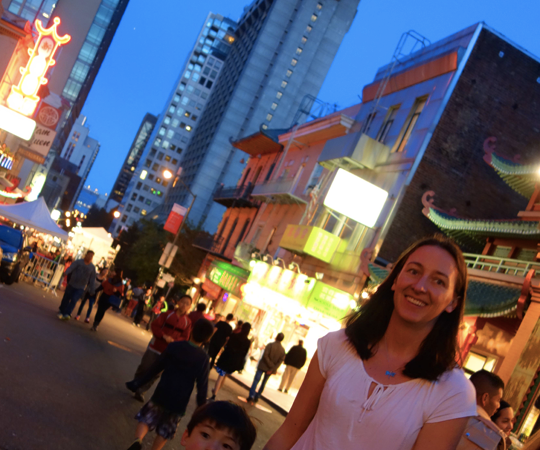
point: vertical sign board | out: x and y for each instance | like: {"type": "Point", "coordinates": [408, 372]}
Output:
{"type": "Point", "coordinates": [176, 216]}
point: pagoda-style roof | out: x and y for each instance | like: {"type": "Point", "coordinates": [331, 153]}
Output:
{"type": "Point", "coordinates": [522, 178]}
{"type": "Point", "coordinates": [483, 299]}
{"type": "Point", "coordinates": [473, 233]}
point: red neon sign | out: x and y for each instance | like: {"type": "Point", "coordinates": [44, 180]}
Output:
{"type": "Point", "coordinates": [23, 98]}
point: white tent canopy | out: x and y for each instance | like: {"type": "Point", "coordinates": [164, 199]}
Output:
{"type": "Point", "coordinates": [34, 215]}
{"type": "Point", "coordinates": [96, 239]}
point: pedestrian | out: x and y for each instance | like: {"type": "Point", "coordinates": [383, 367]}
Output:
{"type": "Point", "coordinates": [141, 306]}
{"type": "Point", "coordinates": [128, 294]}
{"type": "Point", "coordinates": [80, 275]}
{"type": "Point", "coordinates": [198, 313]}
{"type": "Point", "coordinates": [272, 357]}
{"type": "Point", "coordinates": [294, 361]}
{"type": "Point", "coordinates": [505, 420]}
{"type": "Point", "coordinates": [233, 357]}
{"type": "Point", "coordinates": [172, 326]}
{"type": "Point", "coordinates": [101, 277]}
{"type": "Point", "coordinates": [113, 288]}
{"type": "Point", "coordinates": [389, 380]}
{"type": "Point", "coordinates": [219, 425]}
{"type": "Point", "coordinates": [160, 307]}
{"type": "Point", "coordinates": [238, 326]}
{"type": "Point", "coordinates": [222, 333]}
{"type": "Point", "coordinates": [183, 364]}
{"type": "Point", "coordinates": [481, 432]}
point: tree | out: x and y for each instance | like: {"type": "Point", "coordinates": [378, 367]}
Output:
{"type": "Point", "coordinates": [98, 217]}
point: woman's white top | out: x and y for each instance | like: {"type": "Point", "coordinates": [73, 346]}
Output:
{"type": "Point", "coordinates": [392, 417]}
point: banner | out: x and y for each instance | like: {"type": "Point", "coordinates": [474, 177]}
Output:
{"type": "Point", "coordinates": [176, 216]}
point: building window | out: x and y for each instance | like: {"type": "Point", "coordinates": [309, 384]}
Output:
{"type": "Point", "coordinates": [294, 62]}
{"type": "Point", "coordinates": [314, 17]}
{"type": "Point", "coordinates": [150, 177]}
{"type": "Point", "coordinates": [368, 122]}
{"type": "Point", "coordinates": [274, 106]}
{"type": "Point", "coordinates": [136, 209]}
{"type": "Point", "coordinates": [279, 94]}
{"type": "Point", "coordinates": [167, 120]}
{"type": "Point", "coordinates": [269, 117]}
{"type": "Point", "coordinates": [128, 207]}
{"type": "Point", "coordinates": [153, 152]}
{"type": "Point", "coordinates": [298, 50]}
{"type": "Point", "coordinates": [476, 361]}
{"type": "Point", "coordinates": [319, 6]}
{"type": "Point", "coordinates": [175, 161]}
{"type": "Point", "coordinates": [309, 28]}
{"type": "Point", "coordinates": [139, 184]}
{"type": "Point", "coordinates": [155, 167]}
{"type": "Point", "coordinates": [160, 156]}
{"type": "Point", "coordinates": [123, 219]}
{"type": "Point", "coordinates": [148, 202]}
{"type": "Point", "coordinates": [134, 197]}
{"type": "Point", "coordinates": [167, 158]}
{"type": "Point", "coordinates": [165, 145]}
{"type": "Point", "coordinates": [146, 188]}
{"type": "Point", "coordinates": [170, 134]}
{"type": "Point", "coordinates": [141, 198]}
{"type": "Point", "coordinates": [387, 124]}
{"type": "Point", "coordinates": [289, 72]}
{"type": "Point", "coordinates": [158, 180]}
{"type": "Point", "coordinates": [162, 130]}
{"type": "Point", "coordinates": [410, 123]}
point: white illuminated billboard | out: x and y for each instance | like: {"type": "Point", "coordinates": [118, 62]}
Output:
{"type": "Point", "coordinates": [16, 123]}
{"type": "Point", "coordinates": [355, 198]}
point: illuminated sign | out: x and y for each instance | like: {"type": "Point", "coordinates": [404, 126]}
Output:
{"type": "Point", "coordinates": [309, 240]}
{"type": "Point", "coordinates": [227, 276]}
{"type": "Point", "coordinates": [355, 198]}
{"type": "Point", "coordinates": [16, 124]}
{"type": "Point", "coordinates": [23, 98]}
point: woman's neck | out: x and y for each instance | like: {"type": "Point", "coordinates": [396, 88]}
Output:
{"type": "Point", "coordinates": [404, 339]}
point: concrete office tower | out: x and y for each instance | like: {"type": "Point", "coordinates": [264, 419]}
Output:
{"type": "Point", "coordinates": [283, 52]}
{"type": "Point", "coordinates": [178, 121]}
{"type": "Point", "coordinates": [132, 158]}
{"type": "Point", "coordinates": [71, 169]}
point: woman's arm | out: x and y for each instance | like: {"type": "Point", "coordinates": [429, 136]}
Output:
{"type": "Point", "coordinates": [441, 435]}
{"type": "Point", "coordinates": [302, 411]}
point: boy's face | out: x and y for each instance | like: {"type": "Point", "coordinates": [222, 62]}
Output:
{"type": "Point", "coordinates": [205, 436]}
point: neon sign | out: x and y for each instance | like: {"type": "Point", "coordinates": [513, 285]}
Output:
{"type": "Point", "coordinates": [6, 160]}
{"type": "Point", "coordinates": [23, 98]}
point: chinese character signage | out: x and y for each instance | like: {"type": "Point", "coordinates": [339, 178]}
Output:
{"type": "Point", "coordinates": [229, 277]}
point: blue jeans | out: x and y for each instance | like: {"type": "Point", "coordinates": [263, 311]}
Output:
{"type": "Point", "coordinates": [91, 300]}
{"type": "Point", "coordinates": [70, 299]}
{"type": "Point", "coordinates": [256, 380]}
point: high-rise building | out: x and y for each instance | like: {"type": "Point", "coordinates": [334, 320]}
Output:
{"type": "Point", "coordinates": [133, 157]}
{"type": "Point", "coordinates": [178, 121]}
{"type": "Point", "coordinates": [281, 56]}
{"type": "Point", "coordinates": [79, 153]}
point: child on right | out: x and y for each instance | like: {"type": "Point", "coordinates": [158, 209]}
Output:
{"type": "Point", "coordinates": [223, 425]}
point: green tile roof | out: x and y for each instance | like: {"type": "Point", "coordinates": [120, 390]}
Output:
{"type": "Point", "coordinates": [472, 233]}
{"type": "Point", "coordinates": [483, 299]}
{"type": "Point", "coordinates": [520, 177]}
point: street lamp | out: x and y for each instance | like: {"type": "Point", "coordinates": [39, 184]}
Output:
{"type": "Point", "coordinates": [167, 174]}
{"type": "Point", "coordinates": [68, 214]}
{"type": "Point", "coordinates": [116, 214]}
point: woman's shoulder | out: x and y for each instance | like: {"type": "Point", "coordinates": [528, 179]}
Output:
{"type": "Point", "coordinates": [454, 381]}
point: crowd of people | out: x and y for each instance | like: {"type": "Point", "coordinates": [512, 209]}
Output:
{"type": "Point", "coordinates": [387, 380]}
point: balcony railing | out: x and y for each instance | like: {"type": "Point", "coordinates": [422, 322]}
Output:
{"type": "Point", "coordinates": [234, 196]}
{"type": "Point", "coordinates": [210, 244]}
{"type": "Point", "coordinates": [505, 266]}
{"type": "Point", "coordinates": [279, 191]}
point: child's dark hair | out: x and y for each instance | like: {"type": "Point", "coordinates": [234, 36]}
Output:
{"type": "Point", "coordinates": [202, 330]}
{"type": "Point", "coordinates": [226, 415]}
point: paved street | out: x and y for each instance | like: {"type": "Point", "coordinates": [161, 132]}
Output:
{"type": "Point", "coordinates": [62, 386]}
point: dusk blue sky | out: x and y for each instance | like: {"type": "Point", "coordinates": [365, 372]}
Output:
{"type": "Point", "coordinates": [154, 38]}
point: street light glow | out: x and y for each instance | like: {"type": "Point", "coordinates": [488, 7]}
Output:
{"type": "Point", "coordinates": [167, 174]}
{"type": "Point", "coordinates": [116, 214]}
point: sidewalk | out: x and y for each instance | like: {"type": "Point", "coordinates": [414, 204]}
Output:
{"type": "Point", "coordinates": [278, 400]}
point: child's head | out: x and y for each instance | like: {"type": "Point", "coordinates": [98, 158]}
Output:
{"type": "Point", "coordinates": [219, 422]}
{"type": "Point", "coordinates": [202, 331]}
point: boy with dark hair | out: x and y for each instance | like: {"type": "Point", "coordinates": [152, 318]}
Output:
{"type": "Point", "coordinates": [183, 363]}
{"type": "Point", "coordinates": [219, 425]}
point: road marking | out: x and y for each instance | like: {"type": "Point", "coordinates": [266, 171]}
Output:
{"type": "Point", "coordinates": [121, 347]}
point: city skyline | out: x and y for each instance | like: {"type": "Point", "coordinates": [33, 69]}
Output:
{"type": "Point", "coordinates": [122, 99]}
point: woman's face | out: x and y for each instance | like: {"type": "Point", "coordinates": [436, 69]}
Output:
{"type": "Point", "coordinates": [425, 287]}
{"type": "Point", "coordinates": [506, 420]}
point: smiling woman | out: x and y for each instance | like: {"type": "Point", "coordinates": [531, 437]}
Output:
{"type": "Point", "coordinates": [390, 380]}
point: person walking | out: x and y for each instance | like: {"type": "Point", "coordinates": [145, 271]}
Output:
{"type": "Point", "coordinates": [102, 276]}
{"type": "Point", "coordinates": [222, 333]}
{"type": "Point", "coordinates": [160, 307]}
{"type": "Point", "coordinates": [172, 326]}
{"type": "Point", "coordinates": [194, 316]}
{"type": "Point", "coordinates": [113, 288]}
{"type": "Point", "coordinates": [183, 364]}
{"type": "Point", "coordinates": [233, 357]}
{"type": "Point", "coordinates": [294, 361]}
{"type": "Point", "coordinates": [273, 356]}
{"type": "Point", "coordinates": [81, 274]}
{"type": "Point", "coordinates": [143, 301]}
{"type": "Point", "coordinates": [481, 432]}
{"type": "Point", "coordinates": [389, 380]}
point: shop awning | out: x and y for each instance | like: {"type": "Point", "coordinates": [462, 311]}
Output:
{"type": "Point", "coordinates": [227, 276]}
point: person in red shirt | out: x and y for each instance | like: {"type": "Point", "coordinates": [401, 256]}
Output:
{"type": "Point", "coordinates": [172, 326]}
{"type": "Point", "coordinates": [198, 313]}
